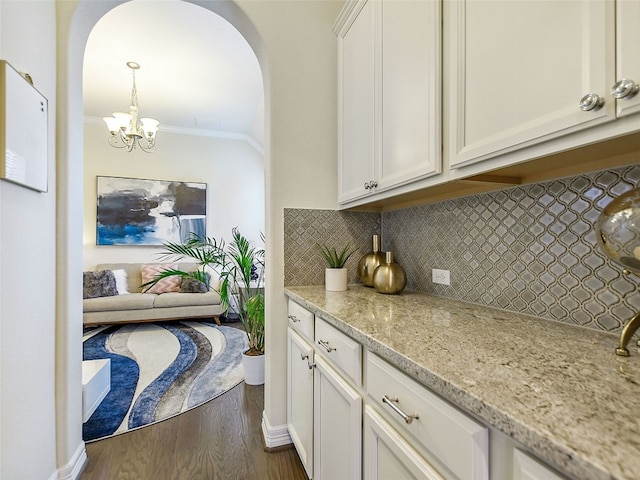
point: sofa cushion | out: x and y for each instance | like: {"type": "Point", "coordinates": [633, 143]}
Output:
{"type": "Point", "coordinates": [120, 275]}
{"type": "Point", "coordinates": [100, 283]}
{"type": "Point", "coordinates": [134, 271]}
{"type": "Point", "coordinates": [191, 285]}
{"type": "Point", "coordinates": [136, 301]}
{"type": "Point", "coordinates": [165, 285]}
{"type": "Point", "coordinates": [176, 299]}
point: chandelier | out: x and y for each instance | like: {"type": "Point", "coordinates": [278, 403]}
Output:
{"type": "Point", "coordinates": [127, 130]}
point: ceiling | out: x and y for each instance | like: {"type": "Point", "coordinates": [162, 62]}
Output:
{"type": "Point", "coordinates": [197, 73]}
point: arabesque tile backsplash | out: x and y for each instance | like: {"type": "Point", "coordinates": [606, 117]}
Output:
{"type": "Point", "coordinates": [529, 249]}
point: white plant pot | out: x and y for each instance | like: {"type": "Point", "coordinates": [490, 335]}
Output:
{"type": "Point", "coordinates": [335, 279]}
{"type": "Point", "coordinates": [253, 369]}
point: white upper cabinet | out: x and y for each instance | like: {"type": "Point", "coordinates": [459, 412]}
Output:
{"type": "Point", "coordinates": [628, 57]}
{"type": "Point", "coordinates": [520, 73]}
{"type": "Point", "coordinates": [356, 108]}
{"type": "Point", "coordinates": [389, 95]}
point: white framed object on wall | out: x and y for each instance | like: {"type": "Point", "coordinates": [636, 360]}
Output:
{"type": "Point", "coordinates": [23, 131]}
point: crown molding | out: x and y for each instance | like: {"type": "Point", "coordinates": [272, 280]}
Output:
{"type": "Point", "coordinates": [196, 132]}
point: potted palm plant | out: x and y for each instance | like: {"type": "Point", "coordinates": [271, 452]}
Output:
{"type": "Point", "coordinates": [335, 279]}
{"type": "Point", "coordinates": [241, 268]}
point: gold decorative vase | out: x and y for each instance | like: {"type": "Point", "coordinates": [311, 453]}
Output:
{"type": "Point", "coordinates": [370, 262]}
{"type": "Point", "coordinates": [389, 277]}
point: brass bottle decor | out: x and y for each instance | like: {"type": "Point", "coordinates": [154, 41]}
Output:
{"type": "Point", "coordinates": [389, 277]}
{"type": "Point", "coordinates": [370, 262]}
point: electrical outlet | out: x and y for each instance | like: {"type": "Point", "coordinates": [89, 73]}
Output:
{"type": "Point", "coordinates": [441, 277]}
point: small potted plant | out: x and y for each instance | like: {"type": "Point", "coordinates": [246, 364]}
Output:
{"type": "Point", "coordinates": [335, 279]}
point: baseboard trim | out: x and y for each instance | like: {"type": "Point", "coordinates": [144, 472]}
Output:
{"type": "Point", "coordinates": [73, 469]}
{"type": "Point", "coordinates": [274, 437]}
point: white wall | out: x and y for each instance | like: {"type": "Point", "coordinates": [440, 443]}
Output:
{"type": "Point", "coordinates": [27, 268]}
{"type": "Point", "coordinates": [232, 169]}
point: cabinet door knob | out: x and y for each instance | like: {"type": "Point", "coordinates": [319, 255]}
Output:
{"type": "Point", "coordinates": [367, 185]}
{"type": "Point", "coordinates": [293, 318]}
{"type": "Point", "coordinates": [591, 101]}
{"type": "Point", "coordinates": [373, 184]}
{"type": "Point", "coordinates": [391, 401]}
{"type": "Point", "coordinates": [624, 89]}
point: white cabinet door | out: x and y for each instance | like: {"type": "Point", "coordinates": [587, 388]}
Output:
{"type": "Point", "coordinates": [517, 72]}
{"type": "Point", "coordinates": [388, 456]}
{"type": "Point", "coordinates": [337, 426]}
{"type": "Point", "coordinates": [628, 57]}
{"type": "Point", "coordinates": [300, 398]}
{"type": "Point", "coordinates": [390, 95]}
{"type": "Point", "coordinates": [356, 105]}
{"type": "Point", "coordinates": [410, 90]}
{"type": "Point", "coordinates": [528, 468]}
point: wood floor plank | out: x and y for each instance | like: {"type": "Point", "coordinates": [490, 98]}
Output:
{"type": "Point", "coordinates": [220, 440]}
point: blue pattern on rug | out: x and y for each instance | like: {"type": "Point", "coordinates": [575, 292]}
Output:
{"type": "Point", "coordinates": [199, 372]}
{"type": "Point", "coordinates": [124, 378]}
{"type": "Point", "coordinates": [144, 409]}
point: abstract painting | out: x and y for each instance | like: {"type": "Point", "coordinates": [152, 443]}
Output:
{"type": "Point", "coordinates": [134, 211]}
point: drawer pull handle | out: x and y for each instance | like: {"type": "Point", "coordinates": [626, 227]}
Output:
{"type": "Point", "coordinates": [391, 401]}
{"type": "Point", "coordinates": [293, 318]}
{"type": "Point", "coordinates": [325, 344]}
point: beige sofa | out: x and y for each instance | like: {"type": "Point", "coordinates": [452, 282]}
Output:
{"type": "Point", "coordinates": [148, 307]}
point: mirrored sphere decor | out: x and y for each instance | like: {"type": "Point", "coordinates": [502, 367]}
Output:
{"type": "Point", "coordinates": [618, 234]}
{"type": "Point", "coordinates": [618, 230]}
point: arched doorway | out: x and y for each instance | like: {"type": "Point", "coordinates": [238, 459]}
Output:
{"type": "Point", "coordinates": [79, 18]}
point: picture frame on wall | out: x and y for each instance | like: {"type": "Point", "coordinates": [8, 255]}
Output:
{"type": "Point", "coordinates": [136, 211]}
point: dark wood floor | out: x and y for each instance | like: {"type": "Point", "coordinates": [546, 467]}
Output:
{"type": "Point", "coordinates": [219, 440]}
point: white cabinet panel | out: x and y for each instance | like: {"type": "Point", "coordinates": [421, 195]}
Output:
{"type": "Point", "coordinates": [518, 70]}
{"type": "Point", "coordinates": [411, 51]}
{"type": "Point", "coordinates": [357, 106]}
{"type": "Point", "coordinates": [388, 456]}
{"type": "Point", "coordinates": [389, 95]}
{"type": "Point", "coordinates": [300, 363]}
{"type": "Point", "coordinates": [527, 468]}
{"type": "Point", "coordinates": [457, 441]}
{"type": "Point", "coordinates": [627, 55]}
{"type": "Point", "coordinates": [337, 426]}
{"type": "Point", "coordinates": [343, 352]}
{"type": "Point", "coordinates": [301, 320]}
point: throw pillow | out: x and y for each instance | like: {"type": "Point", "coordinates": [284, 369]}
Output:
{"type": "Point", "coordinates": [166, 285]}
{"type": "Point", "coordinates": [99, 283]}
{"type": "Point", "coordinates": [191, 285]}
{"type": "Point", "coordinates": [121, 281]}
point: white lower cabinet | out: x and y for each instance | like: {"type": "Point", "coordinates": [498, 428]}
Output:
{"type": "Point", "coordinates": [387, 455]}
{"type": "Point", "coordinates": [351, 415]}
{"type": "Point", "coordinates": [300, 397]}
{"type": "Point", "coordinates": [337, 426]}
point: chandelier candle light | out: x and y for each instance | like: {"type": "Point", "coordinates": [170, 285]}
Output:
{"type": "Point", "coordinates": [127, 131]}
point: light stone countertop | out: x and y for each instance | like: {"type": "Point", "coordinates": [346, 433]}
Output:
{"type": "Point", "coordinates": [558, 389]}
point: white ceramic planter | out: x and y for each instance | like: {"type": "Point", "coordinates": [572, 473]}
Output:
{"type": "Point", "coordinates": [253, 369]}
{"type": "Point", "coordinates": [335, 279]}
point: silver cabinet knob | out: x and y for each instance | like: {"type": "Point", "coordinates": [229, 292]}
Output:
{"type": "Point", "coordinates": [591, 101]}
{"type": "Point", "coordinates": [367, 185]}
{"type": "Point", "coordinates": [370, 185]}
{"type": "Point", "coordinates": [624, 89]}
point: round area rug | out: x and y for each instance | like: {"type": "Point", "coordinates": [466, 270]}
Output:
{"type": "Point", "coordinates": [159, 370]}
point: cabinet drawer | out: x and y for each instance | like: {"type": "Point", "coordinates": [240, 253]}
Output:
{"type": "Point", "coordinates": [453, 438]}
{"type": "Point", "coordinates": [301, 320]}
{"type": "Point", "coordinates": [340, 350]}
